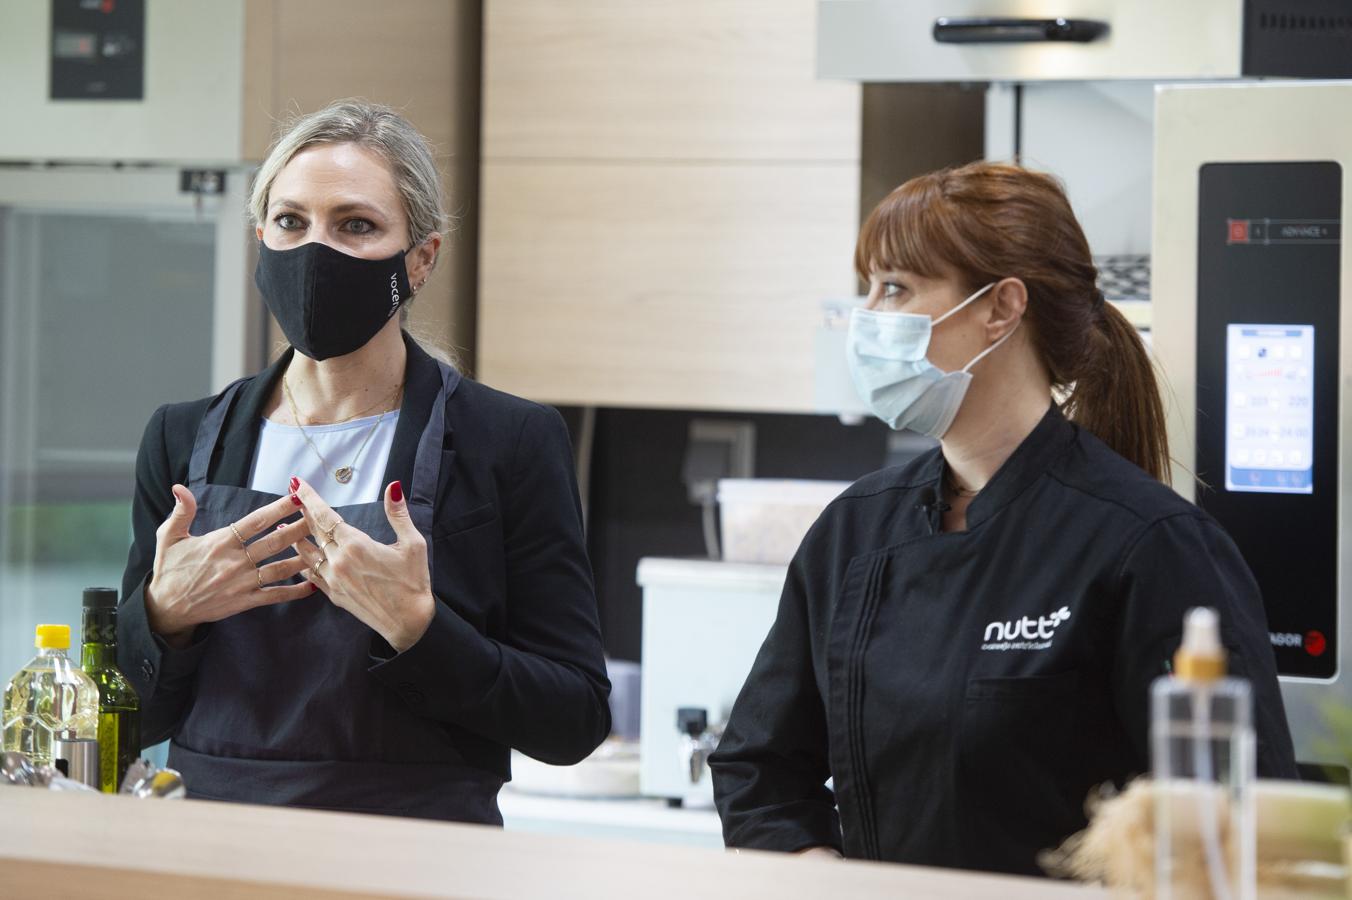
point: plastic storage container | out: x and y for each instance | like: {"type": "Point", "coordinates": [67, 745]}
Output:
{"type": "Point", "coordinates": [764, 519]}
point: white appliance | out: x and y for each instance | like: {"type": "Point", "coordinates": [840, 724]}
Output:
{"type": "Point", "coordinates": [1079, 40]}
{"type": "Point", "coordinates": [198, 77]}
{"type": "Point", "coordinates": [1255, 341]}
{"type": "Point", "coordinates": [703, 623]}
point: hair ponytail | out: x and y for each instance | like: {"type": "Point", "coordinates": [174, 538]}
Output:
{"type": "Point", "coordinates": [1116, 395]}
{"type": "Point", "coordinates": [988, 221]}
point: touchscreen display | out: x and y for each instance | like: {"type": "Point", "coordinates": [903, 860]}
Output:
{"type": "Point", "coordinates": [1269, 401]}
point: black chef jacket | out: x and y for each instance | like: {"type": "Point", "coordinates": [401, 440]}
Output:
{"type": "Point", "coordinates": [966, 690]}
{"type": "Point", "coordinates": [512, 657]}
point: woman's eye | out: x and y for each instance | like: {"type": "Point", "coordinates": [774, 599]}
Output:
{"type": "Point", "coordinates": [360, 226]}
{"type": "Point", "coordinates": [286, 221]}
{"type": "Point", "coordinates": [892, 295]}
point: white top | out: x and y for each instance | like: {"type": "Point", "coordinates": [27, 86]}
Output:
{"type": "Point", "coordinates": [283, 452]}
{"type": "Point", "coordinates": [708, 574]}
{"type": "Point", "coordinates": [780, 491]}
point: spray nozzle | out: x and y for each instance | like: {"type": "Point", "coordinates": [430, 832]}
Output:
{"type": "Point", "coordinates": [1201, 657]}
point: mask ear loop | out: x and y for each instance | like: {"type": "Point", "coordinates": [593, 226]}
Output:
{"type": "Point", "coordinates": [963, 305]}
{"type": "Point", "coordinates": [993, 347]}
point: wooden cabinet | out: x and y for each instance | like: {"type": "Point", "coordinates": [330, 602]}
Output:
{"type": "Point", "coordinates": [667, 194]}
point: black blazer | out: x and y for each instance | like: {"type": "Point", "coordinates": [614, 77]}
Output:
{"type": "Point", "coordinates": [513, 657]}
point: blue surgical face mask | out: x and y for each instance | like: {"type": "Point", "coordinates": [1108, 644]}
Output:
{"type": "Point", "coordinates": [892, 375]}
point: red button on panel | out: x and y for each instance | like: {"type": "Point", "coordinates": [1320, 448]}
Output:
{"type": "Point", "coordinates": [1315, 643]}
{"type": "Point", "coordinates": [1239, 231]}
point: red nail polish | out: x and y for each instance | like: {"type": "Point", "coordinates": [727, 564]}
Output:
{"type": "Point", "coordinates": [295, 499]}
{"type": "Point", "coordinates": [397, 492]}
{"type": "Point", "coordinates": [313, 587]}
{"type": "Point", "coordinates": [295, 484]}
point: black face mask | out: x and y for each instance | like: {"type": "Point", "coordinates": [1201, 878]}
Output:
{"type": "Point", "coordinates": [327, 302]}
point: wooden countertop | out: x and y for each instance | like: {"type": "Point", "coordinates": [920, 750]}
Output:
{"type": "Point", "coordinates": [98, 847]}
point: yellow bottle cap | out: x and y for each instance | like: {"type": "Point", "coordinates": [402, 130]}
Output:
{"type": "Point", "coordinates": [1198, 668]}
{"type": "Point", "coordinates": [53, 637]}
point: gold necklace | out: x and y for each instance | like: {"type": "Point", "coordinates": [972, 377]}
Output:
{"type": "Point", "coordinates": [343, 474]}
{"type": "Point", "coordinates": [387, 400]}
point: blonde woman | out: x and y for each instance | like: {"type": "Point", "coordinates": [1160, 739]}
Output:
{"type": "Point", "coordinates": [358, 578]}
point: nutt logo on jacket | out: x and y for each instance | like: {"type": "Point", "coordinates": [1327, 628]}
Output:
{"type": "Point", "coordinates": [1025, 633]}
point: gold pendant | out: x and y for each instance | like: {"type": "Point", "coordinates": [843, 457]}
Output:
{"type": "Point", "coordinates": [343, 474]}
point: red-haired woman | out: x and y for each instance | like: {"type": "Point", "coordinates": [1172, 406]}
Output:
{"type": "Point", "coordinates": [965, 644]}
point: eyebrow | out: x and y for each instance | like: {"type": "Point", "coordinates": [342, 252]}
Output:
{"type": "Point", "coordinates": [346, 206]}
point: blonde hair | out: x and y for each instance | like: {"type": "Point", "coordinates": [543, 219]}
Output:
{"type": "Point", "coordinates": [391, 136]}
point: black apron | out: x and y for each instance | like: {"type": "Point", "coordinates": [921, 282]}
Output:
{"type": "Point", "coordinates": [285, 709]}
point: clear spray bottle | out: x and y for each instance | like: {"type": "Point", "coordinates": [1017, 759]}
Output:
{"type": "Point", "coordinates": [1202, 759]}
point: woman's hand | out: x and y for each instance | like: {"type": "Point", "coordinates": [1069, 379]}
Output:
{"type": "Point", "coordinates": [212, 577]}
{"type": "Point", "coordinates": [821, 852]}
{"type": "Point", "coordinates": [387, 587]}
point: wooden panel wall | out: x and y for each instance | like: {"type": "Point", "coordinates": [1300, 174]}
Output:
{"type": "Point", "coordinates": [667, 195]}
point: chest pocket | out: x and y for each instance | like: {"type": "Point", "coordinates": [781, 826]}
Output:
{"type": "Point", "coordinates": [1018, 742]}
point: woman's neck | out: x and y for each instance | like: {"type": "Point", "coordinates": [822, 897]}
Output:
{"type": "Point", "coordinates": [992, 423]}
{"type": "Point", "coordinates": [345, 386]}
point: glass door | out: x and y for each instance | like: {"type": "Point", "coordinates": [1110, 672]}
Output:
{"type": "Point", "coordinates": [118, 293]}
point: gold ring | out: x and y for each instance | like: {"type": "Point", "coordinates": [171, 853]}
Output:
{"type": "Point", "coordinates": [318, 564]}
{"type": "Point", "coordinates": [241, 540]}
{"type": "Point", "coordinates": [259, 573]}
{"type": "Point", "coordinates": [249, 557]}
{"type": "Point", "coordinates": [326, 545]}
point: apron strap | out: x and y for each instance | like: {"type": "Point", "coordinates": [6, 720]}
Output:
{"type": "Point", "coordinates": [208, 433]}
{"type": "Point", "coordinates": [427, 462]}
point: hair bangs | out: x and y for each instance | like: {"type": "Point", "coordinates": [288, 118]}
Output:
{"type": "Point", "coordinates": [908, 231]}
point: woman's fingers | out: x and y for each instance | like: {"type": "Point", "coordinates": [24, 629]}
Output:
{"type": "Point", "coordinates": [264, 518]}
{"type": "Point", "coordinates": [314, 564]}
{"type": "Point", "coordinates": [175, 526]}
{"type": "Point", "coordinates": [285, 593]}
{"type": "Point", "coordinates": [279, 539]}
{"type": "Point", "coordinates": [308, 553]}
{"type": "Point", "coordinates": [323, 520]}
{"type": "Point", "coordinates": [282, 570]}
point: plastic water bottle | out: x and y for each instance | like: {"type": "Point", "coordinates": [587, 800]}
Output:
{"type": "Point", "coordinates": [49, 696]}
{"type": "Point", "coordinates": [1202, 760]}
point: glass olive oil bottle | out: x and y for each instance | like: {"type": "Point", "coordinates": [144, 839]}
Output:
{"type": "Point", "coordinates": [119, 706]}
